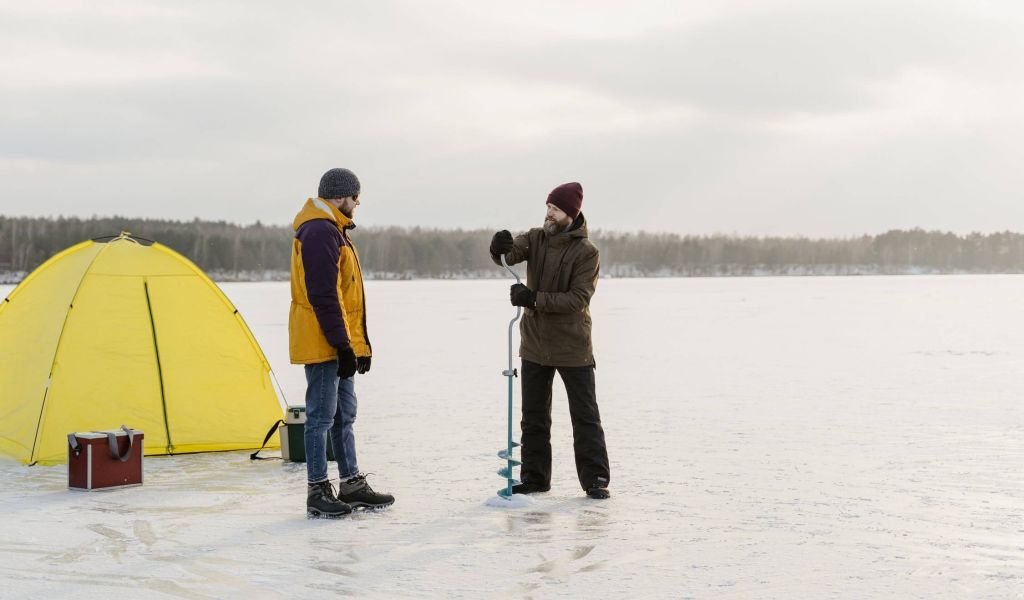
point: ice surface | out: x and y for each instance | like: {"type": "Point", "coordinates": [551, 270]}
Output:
{"type": "Point", "coordinates": [769, 437]}
{"type": "Point", "coordinates": [515, 501]}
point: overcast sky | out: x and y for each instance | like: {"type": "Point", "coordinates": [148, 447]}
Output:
{"type": "Point", "coordinates": [749, 116]}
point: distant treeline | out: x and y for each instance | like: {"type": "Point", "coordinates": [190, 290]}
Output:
{"type": "Point", "coordinates": [258, 251]}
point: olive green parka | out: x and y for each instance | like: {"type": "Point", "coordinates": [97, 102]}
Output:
{"type": "Point", "coordinates": [563, 270]}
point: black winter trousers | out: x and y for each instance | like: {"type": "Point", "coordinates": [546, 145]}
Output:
{"type": "Point", "coordinates": [587, 433]}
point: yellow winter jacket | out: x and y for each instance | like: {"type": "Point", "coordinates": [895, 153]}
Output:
{"type": "Point", "coordinates": [328, 307]}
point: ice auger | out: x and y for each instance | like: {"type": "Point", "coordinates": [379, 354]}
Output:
{"type": "Point", "coordinates": [510, 373]}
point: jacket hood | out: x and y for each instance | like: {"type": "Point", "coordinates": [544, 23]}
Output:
{"type": "Point", "coordinates": [317, 208]}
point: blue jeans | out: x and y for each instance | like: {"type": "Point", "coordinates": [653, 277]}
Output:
{"type": "Point", "coordinates": [330, 404]}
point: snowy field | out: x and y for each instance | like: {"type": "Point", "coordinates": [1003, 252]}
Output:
{"type": "Point", "coordinates": [855, 437]}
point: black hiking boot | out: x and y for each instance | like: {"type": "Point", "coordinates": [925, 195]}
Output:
{"type": "Point", "coordinates": [321, 502]}
{"type": "Point", "coordinates": [599, 489]}
{"type": "Point", "coordinates": [358, 493]}
{"type": "Point", "coordinates": [528, 487]}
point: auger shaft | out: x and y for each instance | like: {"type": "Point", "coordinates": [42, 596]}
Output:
{"type": "Point", "coordinates": [511, 374]}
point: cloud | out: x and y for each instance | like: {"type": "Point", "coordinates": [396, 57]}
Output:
{"type": "Point", "coordinates": [774, 116]}
{"type": "Point", "coordinates": [800, 57]}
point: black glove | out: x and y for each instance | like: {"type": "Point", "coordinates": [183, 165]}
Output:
{"type": "Point", "coordinates": [523, 296]}
{"type": "Point", "coordinates": [362, 364]}
{"type": "Point", "coordinates": [501, 243]}
{"type": "Point", "coordinates": [346, 362]}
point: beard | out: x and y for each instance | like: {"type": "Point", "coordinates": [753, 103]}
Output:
{"type": "Point", "coordinates": [552, 227]}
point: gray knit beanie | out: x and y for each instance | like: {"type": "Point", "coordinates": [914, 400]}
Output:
{"type": "Point", "coordinates": [338, 183]}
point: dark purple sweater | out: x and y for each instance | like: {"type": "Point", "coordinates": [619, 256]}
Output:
{"type": "Point", "coordinates": [321, 244]}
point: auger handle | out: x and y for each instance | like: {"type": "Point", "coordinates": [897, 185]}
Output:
{"type": "Point", "coordinates": [511, 325]}
{"type": "Point", "coordinates": [509, 269]}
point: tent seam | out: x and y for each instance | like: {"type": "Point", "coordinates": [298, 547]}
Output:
{"type": "Point", "coordinates": [159, 367]}
{"type": "Point", "coordinates": [56, 349]}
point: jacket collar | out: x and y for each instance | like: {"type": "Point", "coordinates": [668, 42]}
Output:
{"type": "Point", "coordinates": [318, 208]}
{"type": "Point", "coordinates": [578, 229]}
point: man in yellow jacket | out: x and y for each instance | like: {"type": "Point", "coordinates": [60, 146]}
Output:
{"type": "Point", "coordinates": [327, 334]}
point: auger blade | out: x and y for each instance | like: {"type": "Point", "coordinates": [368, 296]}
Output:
{"type": "Point", "coordinates": [504, 454]}
{"type": "Point", "coordinates": [506, 472]}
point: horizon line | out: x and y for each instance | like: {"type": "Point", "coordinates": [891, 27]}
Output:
{"type": "Point", "coordinates": [733, 234]}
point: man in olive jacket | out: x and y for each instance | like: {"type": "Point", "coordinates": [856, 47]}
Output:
{"type": "Point", "coordinates": [561, 276]}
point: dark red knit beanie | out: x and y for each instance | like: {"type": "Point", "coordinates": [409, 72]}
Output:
{"type": "Point", "coordinates": [568, 197]}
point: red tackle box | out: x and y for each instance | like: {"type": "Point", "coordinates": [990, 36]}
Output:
{"type": "Point", "coordinates": [105, 459]}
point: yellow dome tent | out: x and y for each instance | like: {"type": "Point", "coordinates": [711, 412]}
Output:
{"type": "Point", "coordinates": [121, 330]}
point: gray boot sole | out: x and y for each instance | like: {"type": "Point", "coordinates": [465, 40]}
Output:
{"type": "Point", "coordinates": [313, 513]}
{"type": "Point", "coordinates": [368, 506]}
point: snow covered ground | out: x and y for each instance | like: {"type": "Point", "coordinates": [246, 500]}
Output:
{"type": "Point", "coordinates": [769, 437]}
